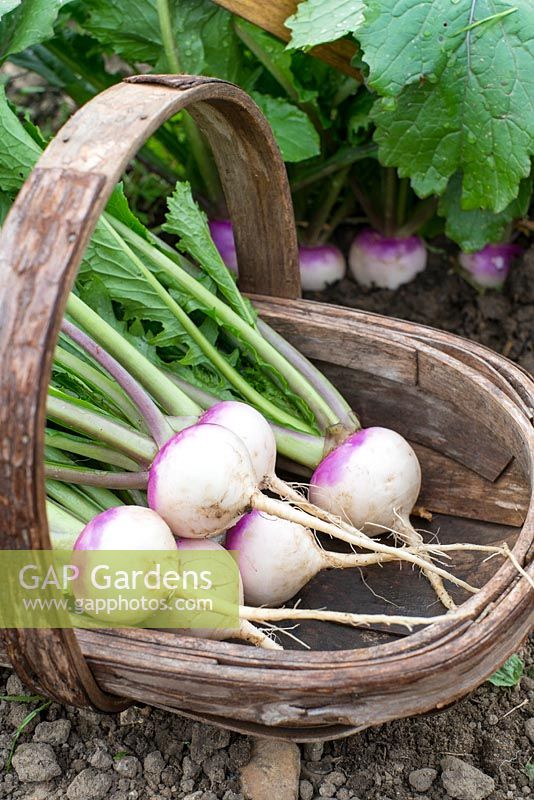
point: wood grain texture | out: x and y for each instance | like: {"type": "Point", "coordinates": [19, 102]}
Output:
{"type": "Point", "coordinates": [41, 245]}
{"type": "Point", "coordinates": [311, 695]}
{"type": "Point", "coordinates": [272, 15]}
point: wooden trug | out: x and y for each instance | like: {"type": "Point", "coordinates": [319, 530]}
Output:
{"type": "Point", "coordinates": [467, 410]}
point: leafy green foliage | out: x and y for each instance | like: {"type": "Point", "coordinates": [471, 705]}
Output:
{"type": "Point", "coordinates": [203, 34]}
{"type": "Point", "coordinates": [510, 673]}
{"type": "Point", "coordinates": [319, 21]}
{"type": "Point", "coordinates": [528, 769]}
{"type": "Point", "coordinates": [18, 150]}
{"type": "Point", "coordinates": [404, 43]}
{"type": "Point", "coordinates": [476, 228]}
{"type": "Point", "coordinates": [24, 23]}
{"type": "Point", "coordinates": [190, 224]}
{"type": "Point", "coordinates": [118, 206]}
{"type": "Point", "coordinates": [473, 108]}
{"type": "Point", "coordinates": [294, 132]}
{"type": "Point", "coordinates": [274, 56]}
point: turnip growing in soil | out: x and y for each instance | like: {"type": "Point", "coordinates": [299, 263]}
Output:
{"type": "Point", "coordinates": [390, 253]}
{"type": "Point", "coordinates": [488, 268]}
{"type": "Point", "coordinates": [386, 261]}
{"type": "Point", "coordinates": [320, 265]}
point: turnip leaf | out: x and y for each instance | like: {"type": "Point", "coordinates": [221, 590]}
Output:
{"type": "Point", "coordinates": [203, 34]}
{"type": "Point", "coordinates": [274, 56]}
{"type": "Point", "coordinates": [293, 130]}
{"type": "Point", "coordinates": [190, 224]}
{"type": "Point", "coordinates": [18, 150]}
{"type": "Point", "coordinates": [319, 21]}
{"type": "Point", "coordinates": [23, 24]}
{"type": "Point", "coordinates": [474, 229]}
{"type": "Point", "coordinates": [472, 109]}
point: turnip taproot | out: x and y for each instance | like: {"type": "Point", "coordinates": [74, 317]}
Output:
{"type": "Point", "coordinates": [386, 261]}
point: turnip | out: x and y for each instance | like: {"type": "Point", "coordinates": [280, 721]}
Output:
{"type": "Point", "coordinates": [277, 558]}
{"type": "Point", "coordinates": [128, 528]}
{"type": "Point", "coordinates": [488, 268]}
{"type": "Point", "coordinates": [320, 265]}
{"type": "Point", "coordinates": [253, 430]}
{"type": "Point", "coordinates": [203, 481]}
{"type": "Point", "coordinates": [223, 238]}
{"type": "Point", "coordinates": [373, 480]}
{"type": "Point", "coordinates": [246, 631]}
{"type": "Point", "coordinates": [386, 261]}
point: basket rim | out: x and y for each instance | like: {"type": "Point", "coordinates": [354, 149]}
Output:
{"type": "Point", "coordinates": [484, 606]}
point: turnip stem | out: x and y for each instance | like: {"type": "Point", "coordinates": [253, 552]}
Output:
{"type": "Point", "coordinates": [249, 334]}
{"type": "Point", "coordinates": [154, 419]}
{"type": "Point", "coordinates": [97, 477]}
{"type": "Point", "coordinates": [97, 379]}
{"type": "Point", "coordinates": [170, 397]}
{"type": "Point", "coordinates": [322, 213]}
{"type": "Point", "coordinates": [390, 193]}
{"type": "Point", "coordinates": [78, 446]}
{"type": "Point", "coordinates": [73, 499]}
{"type": "Point", "coordinates": [64, 527]}
{"type": "Point", "coordinates": [119, 436]}
{"type": "Point", "coordinates": [343, 617]}
{"type": "Point", "coordinates": [336, 402]}
{"type": "Point", "coordinates": [279, 509]}
{"type": "Point", "coordinates": [223, 366]}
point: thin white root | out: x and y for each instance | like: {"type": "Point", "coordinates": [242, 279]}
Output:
{"type": "Point", "coordinates": [279, 509]}
{"type": "Point", "coordinates": [255, 636]}
{"type": "Point", "coordinates": [287, 632]}
{"type": "Point", "coordinates": [343, 617]}
{"type": "Point", "coordinates": [414, 539]}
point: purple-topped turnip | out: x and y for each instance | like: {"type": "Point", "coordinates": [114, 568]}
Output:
{"type": "Point", "coordinates": [253, 430]}
{"type": "Point", "coordinates": [223, 238]}
{"type": "Point", "coordinates": [133, 529]}
{"type": "Point", "coordinates": [386, 261]}
{"type": "Point", "coordinates": [373, 480]}
{"type": "Point", "coordinates": [320, 265]}
{"type": "Point", "coordinates": [277, 558]}
{"type": "Point", "coordinates": [203, 481]}
{"type": "Point", "coordinates": [488, 268]}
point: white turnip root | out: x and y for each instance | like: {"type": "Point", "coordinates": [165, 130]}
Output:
{"type": "Point", "coordinates": [202, 481]}
{"type": "Point", "coordinates": [488, 268]}
{"type": "Point", "coordinates": [386, 261]}
{"type": "Point", "coordinates": [128, 528]}
{"type": "Point", "coordinates": [373, 480]}
{"type": "Point", "coordinates": [277, 558]}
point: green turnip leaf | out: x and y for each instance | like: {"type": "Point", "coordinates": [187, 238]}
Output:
{"type": "Point", "coordinates": [319, 21]}
{"type": "Point", "coordinates": [472, 108]}
{"type": "Point", "coordinates": [293, 130]}
{"type": "Point", "coordinates": [23, 24]}
{"type": "Point", "coordinates": [474, 229]}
